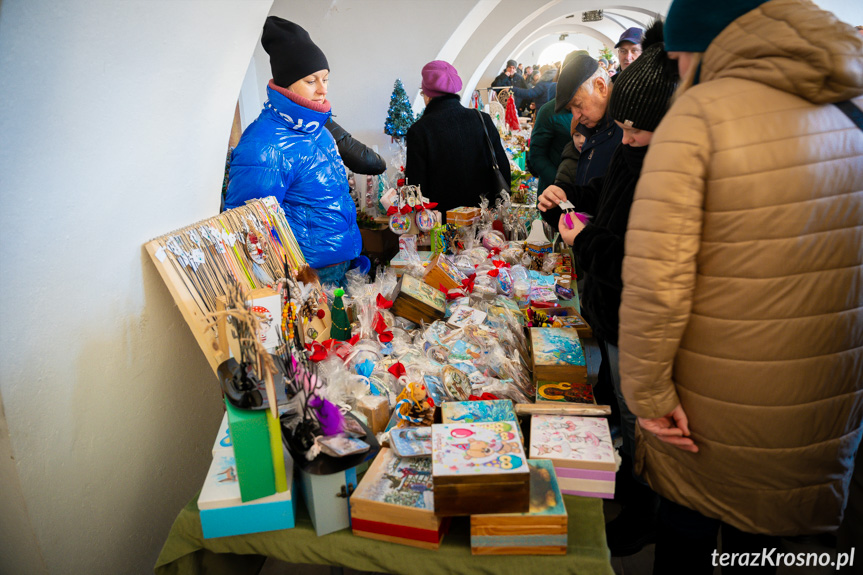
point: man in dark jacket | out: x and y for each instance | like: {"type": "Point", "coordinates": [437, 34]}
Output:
{"type": "Point", "coordinates": [584, 89]}
{"type": "Point", "coordinates": [447, 151]}
{"type": "Point", "coordinates": [549, 137]}
{"type": "Point", "coordinates": [541, 93]}
{"type": "Point", "coordinates": [508, 77]}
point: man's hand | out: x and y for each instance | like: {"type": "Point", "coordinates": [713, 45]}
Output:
{"type": "Point", "coordinates": [566, 234]}
{"type": "Point", "coordinates": [551, 197]}
{"type": "Point", "coordinates": [672, 429]}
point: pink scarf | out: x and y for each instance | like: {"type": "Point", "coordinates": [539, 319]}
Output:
{"type": "Point", "coordinates": [296, 98]}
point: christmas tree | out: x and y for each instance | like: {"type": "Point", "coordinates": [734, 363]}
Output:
{"type": "Point", "coordinates": [341, 330]}
{"type": "Point", "coordinates": [400, 116]}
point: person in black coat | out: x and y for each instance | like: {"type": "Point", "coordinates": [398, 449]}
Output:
{"type": "Point", "coordinates": [639, 101]}
{"type": "Point", "coordinates": [448, 154]}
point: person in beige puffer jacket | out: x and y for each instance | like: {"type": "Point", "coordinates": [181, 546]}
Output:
{"type": "Point", "coordinates": [741, 322]}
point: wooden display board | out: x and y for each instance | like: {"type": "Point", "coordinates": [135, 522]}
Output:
{"type": "Point", "coordinates": [247, 246]}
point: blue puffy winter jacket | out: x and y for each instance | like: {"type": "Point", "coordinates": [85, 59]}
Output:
{"type": "Point", "coordinates": [287, 153]}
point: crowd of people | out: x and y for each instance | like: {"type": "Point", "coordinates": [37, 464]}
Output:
{"type": "Point", "coordinates": [720, 163]}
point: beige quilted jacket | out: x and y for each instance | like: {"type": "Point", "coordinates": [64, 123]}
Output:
{"type": "Point", "coordinates": [743, 276]}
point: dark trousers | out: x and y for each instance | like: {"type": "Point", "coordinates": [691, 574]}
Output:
{"type": "Point", "coordinates": [686, 542]}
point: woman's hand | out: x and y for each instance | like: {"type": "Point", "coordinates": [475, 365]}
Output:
{"type": "Point", "coordinates": [551, 197]}
{"type": "Point", "coordinates": [566, 234]}
{"type": "Point", "coordinates": [672, 429]}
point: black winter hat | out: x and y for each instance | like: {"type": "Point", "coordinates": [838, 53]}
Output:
{"type": "Point", "coordinates": [642, 92]}
{"type": "Point", "coordinates": [572, 76]}
{"type": "Point", "coordinates": [293, 55]}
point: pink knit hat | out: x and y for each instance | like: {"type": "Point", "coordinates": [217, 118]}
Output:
{"type": "Point", "coordinates": [440, 78]}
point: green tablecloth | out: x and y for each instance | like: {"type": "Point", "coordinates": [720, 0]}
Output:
{"type": "Point", "coordinates": [187, 552]}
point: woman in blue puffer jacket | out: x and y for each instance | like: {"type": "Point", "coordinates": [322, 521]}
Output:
{"type": "Point", "coordinates": [287, 153]}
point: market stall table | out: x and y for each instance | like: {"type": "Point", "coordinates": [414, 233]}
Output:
{"type": "Point", "coordinates": [187, 552]}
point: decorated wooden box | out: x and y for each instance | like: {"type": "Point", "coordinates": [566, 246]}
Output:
{"type": "Point", "coordinates": [399, 262]}
{"type": "Point", "coordinates": [479, 468]}
{"type": "Point", "coordinates": [564, 392]}
{"type": "Point", "coordinates": [570, 318]}
{"type": "Point", "coordinates": [418, 301]}
{"type": "Point", "coordinates": [462, 216]}
{"type": "Point", "coordinates": [395, 502]}
{"type": "Point", "coordinates": [540, 531]}
{"type": "Point", "coordinates": [581, 450]}
{"type": "Point", "coordinates": [441, 273]}
{"type": "Point", "coordinates": [557, 355]}
{"type": "Point", "coordinates": [222, 511]}
{"type": "Point", "coordinates": [479, 412]}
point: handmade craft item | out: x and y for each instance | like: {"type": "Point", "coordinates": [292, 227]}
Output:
{"type": "Point", "coordinates": [395, 502]}
{"type": "Point", "coordinates": [443, 275]}
{"type": "Point", "coordinates": [581, 450]}
{"type": "Point", "coordinates": [462, 216]}
{"type": "Point", "coordinates": [418, 301]}
{"type": "Point", "coordinates": [411, 441]}
{"type": "Point", "coordinates": [479, 468]}
{"type": "Point", "coordinates": [557, 355]}
{"type": "Point", "coordinates": [564, 391]}
{"type": "Point", "coordinates": [246, 246]}
{"type": "Point", "coordinates": [540, 531]}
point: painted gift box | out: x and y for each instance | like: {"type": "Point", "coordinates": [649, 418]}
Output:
{"type": "Point", "coordinates": [222, 511]}
{"type": "Point", "coordinates": [399, 262]}
{"type": "Point", "coordinates": [395, 502]}
{"type": "Point", "coordinates": [581, 450]}
{"type": "Point", "coordinates": [441, 272]}
{"type": "Point", "coordinates": [540, 531]}
{"type": "Point", "coordinates": [570, 319]}
{"type": "Point", "coordinates": [462, 216]}
{"type": "Point", "coordinates": [564, 392]}
{"type": "Point", "coordinates": [557, 355]}
{"type": "Point", "coordinates": [479, 412]}
{"type": "Point", "coordinates": [418, 301]}
{"type": "Point", "coordinates": [479, 468]}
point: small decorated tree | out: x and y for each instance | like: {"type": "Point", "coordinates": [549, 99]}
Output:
{"type": "Point", "coordinates": [400, 116]}
{"type": "Point", "coordinates": [341, 330]}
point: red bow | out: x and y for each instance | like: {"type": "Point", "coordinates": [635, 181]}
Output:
{"type": "Point", "coordinates": [406, 209]}
{"type": "Point", "coordinates": [319, 352]}
{"type": "Point", "coordinates": [380, 327]}
{"type": "Point", "coordinates": [500, 264]}
{"type": "Point", "coordinates": [384, 303]}
{"type": "Point", "coordinates": [397, 369]}
{"type": "Point", "coordinates": [493, 273]}
{"type": "Point", "coordinates": [486, 396]}
{"type": "Point", "coordinates": [401, 181]}
{"type": "Point", "coordinates": [467, 283]}
{"type": "Point", "coordinates": [429, 205]}
{"type": "Point", "coordinates": [493, 252]}
{"type": "Point", "coordinates": [392, 210]}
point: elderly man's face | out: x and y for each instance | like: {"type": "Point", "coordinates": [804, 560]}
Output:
{"type": "Point", "coordinates": [588, 109]}
{"type": "Point", "coordinates": [627, 53]}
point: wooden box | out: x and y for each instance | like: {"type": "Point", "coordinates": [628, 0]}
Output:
{"type": "Point", "coordinates": [570, 319]}
{"type": "Point", "coordinates": [479, 468]}
{"type": "Point", "coordinates": [326, 498]}
{"type": "Point", "coordinates": [462, 216]}
{"type": "Point", "coordinates": [540, 531]}
{"type": "Point", "coordinates": [581, 450]}
{"type": "Point", "coordinates": [418, 301]}
{"type": "Point", "coordinates": [557, 355]}
{"type": "Point", "coordinates": [222, 511]}
{"type": "Point", "coordinates": [399, 263]}
{"type": "Point", "coordinates": [564, 392]}
{"type": "Point", "coordinates": [441, 272]}
{"type": "Point", "coordinates": [395, 502]}
{"type": "Point", "coordinates": [479, 412]}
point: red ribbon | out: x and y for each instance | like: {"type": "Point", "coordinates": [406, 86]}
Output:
{"type": "Point", "coordinates": [392, 210]}
{"type": "Point", "coordinates": [401, 181]}
{"type": "Point", "coordinates": [319, 352]}
{"type": "Point", "coordinates": [493, 273]}
{"type": "Point", "coordinates": [467, 283]}
{"type": "Point", "coordinates": [500, 264]}
{"type": "Point", "coordinates": [384, 303]}
{"type": "Point", "coordinates": [406, 209]}
{"type": "Point", "coordinates": [484, 397]}
{"type": "Point", "coordinates": [430, 205]}
{"type": "Point", "coordinates": [380, 327]}
{"type": "Point", "coordinates": [397, 369]}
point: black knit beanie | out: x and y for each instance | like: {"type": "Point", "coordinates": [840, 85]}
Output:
{"type": "Point", "coordinates": [293, 55]}
{"type": "Point", "coordinates": [642, 92]}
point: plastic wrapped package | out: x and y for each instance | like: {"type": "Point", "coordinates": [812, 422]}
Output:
{"type": "Point", "coordinates": [493, 240]}
{"type": "Point", "coordinates": [464, 263]}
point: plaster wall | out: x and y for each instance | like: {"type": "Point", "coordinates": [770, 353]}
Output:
{"type": "Point", "coordinates": [115, 120]}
